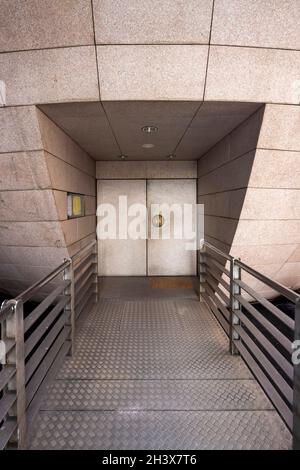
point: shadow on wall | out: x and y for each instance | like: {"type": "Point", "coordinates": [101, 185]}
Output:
{"type": "Point", "coordinates": [223, 177]}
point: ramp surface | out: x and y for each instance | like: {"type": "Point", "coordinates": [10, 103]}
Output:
{"type": "Point", "coordinates": [155, 374]}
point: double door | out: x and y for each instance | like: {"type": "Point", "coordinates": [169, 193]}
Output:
{"type": "Point", "coordinates": [145, 240]}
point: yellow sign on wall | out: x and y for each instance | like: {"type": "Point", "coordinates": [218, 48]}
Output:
{"type": "Point", "coordinates": [75, 205]}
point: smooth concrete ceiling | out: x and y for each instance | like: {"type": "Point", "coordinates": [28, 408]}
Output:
{"type": "Point", "coordinates": [186, 129]}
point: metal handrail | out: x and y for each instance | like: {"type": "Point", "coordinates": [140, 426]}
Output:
{"type": "Point", "coordinates": [216, 250]}
{"type": "Point", "coordinates": [5, 310]}
{"type": "Point", "coordinates": [84, 249]}
{"type": "Point", "coordinates": [280, 288]}
{"type": "Point", "coordinates": [48, 332]}
{"type": "Point", "coordinates": [263, 338]}
{"type": "Point", "coordinates": [285, 291]}
{"type": "Point", "coordinates": [28, 293]}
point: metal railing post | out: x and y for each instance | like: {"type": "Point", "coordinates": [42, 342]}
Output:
{"type": "Point", "coordinates": [70, 307]}
{"type": "Point", "coordinates": [235, 274]}
{"type": "Point", "coordinates": [15, 329]}
{"type": "Point", "coordinates": [95, 251]}
{"type": "Point", "coordinates": [202, 271]}
{"type": "Point", "coordinates": [296, 394]}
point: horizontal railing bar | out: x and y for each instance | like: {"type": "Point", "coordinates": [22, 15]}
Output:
{"type": "Point", "coordinates": [281, 338]}
{"type": "Point", "coordinates": [6, 431]}
{"type": "Point", "coordinates": [263, 361]}
{"type": "Point", "coordinates": [43, 348]}
{"type": "Point", "coordinates": [217, 314]}
{"type": "Point", "coordinates": [84, 280]}
{"type": "Point", "coordinates": [9, 344]}
{"type": "Point", "coordinates": [216, 250]}
{"type": "Point", "coordinates": [46, 323]}
{"type": "Point", "coordinates": [90, 268]}
{"type": "Point", "coordinates": [86, 260]}
{"type": "Point", "coordinates": [285, 365]}
{"type": "Point", "coordinates": [270, 390]}
{"type": "Point", "coordinates": [216, 263]}
{"type": "Point", "coordinates": [27, 294]}
{"type": "Point", "coordinates": [285, 291]}
{"type": "Point", "coordinates": [90, 262]}
{"type": "Point", "coordinates": [41, 372]}
{"type": "Point", "coordinates": [79, 308]}
{"type": "Point", "coordinates": [6, 403]}
{"type": "Point", "coordinates": [42, 307]}
{"type": "Point", "coordinates": [6, 374]}
{"type": "Point", "coordinates": [219, 304]}
{"type": "Point", "coordinates": [218, 278]}
{"type": "Point", "coordinates": [217, 290]}
{"type": "Point", "coordinates": [82, 294]}
{"type": "Point", "coordinates": [83, 250]}
{"type": "Point", "coordinates": [37, 395]}
{"type": "Point", "coordinates": [268, 305]}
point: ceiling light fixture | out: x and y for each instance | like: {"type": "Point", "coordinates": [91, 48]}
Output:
{"type": "Point", "coordinates": [170, 157]}
{"type": "Point", "coordinates": [123, 157]}
{"type": "Point", "coordinates": [148, 146]}
{"type": "Point", "coordinates": [150, 129]}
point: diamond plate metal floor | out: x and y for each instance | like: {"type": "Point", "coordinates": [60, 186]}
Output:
{"type": "Point", "coordinates": [155, 374]}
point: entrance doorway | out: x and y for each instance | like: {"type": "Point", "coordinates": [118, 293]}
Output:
{"type": "Point", "coordinates": [152, 255]}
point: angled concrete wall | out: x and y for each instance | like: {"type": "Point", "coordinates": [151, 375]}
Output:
{"type": "Point", "coordinates": [249, 183]}
{"type": "Point", "coordinates": [223, 178]}
{"type": "Point", "coordinates": [38, 165]}
{"type": "Point", "coordinates": [268, 234]}
{"type": "Point", "coordinates": [70, 169]}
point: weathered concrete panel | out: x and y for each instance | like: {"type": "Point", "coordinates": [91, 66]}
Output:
{"type": "Point", "coordinates": [267, 232]}
{"type": "Point", "coordinates": [30, 205]}
{"type": "Point", "coordinates": [29, 234]}
{"type": "Point", "coordinates": [58, 143]}
{"type": "Point", "coordinates": [283, 169]}
{"type": "Point", "coordinates": [281, 128]}
{"type": "Point", "coordinates": [271, 204]}
{"type": "Point", "coordinates": [162, 22]}
{"type": "Point", "coordinates": [222, 178]}
{"type": "Point", "coordinates": [50, 75]}
{"type": "Point", "coordinates": [23, 170]}
{"type": "Point", "coordinates": [19, 130]}
{"type": "Point", "coordinates": [65, 177]}
{"type": "Point", "coordinates": [32, 24]}
{"type": "Point", "coordinates": [152, 72]}
{"type": "Point", "coordinates": [259, 23]}
{"type": "Point", "coordinates": [256, 75]}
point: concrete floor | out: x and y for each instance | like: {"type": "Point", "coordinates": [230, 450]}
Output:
{"type": "Point", "coordinates": [152, 371]}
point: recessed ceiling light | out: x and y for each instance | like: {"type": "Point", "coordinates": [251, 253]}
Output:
{"type": "Point", "coordinates": [150, 129]}
{"type": "Point", "coordinates": [123, 157]}
{"type": "Point", "coordinates": [148, 146]}
{"type": "Point", "coordinates": [170, 157]}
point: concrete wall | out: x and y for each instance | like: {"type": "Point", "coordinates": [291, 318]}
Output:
{"type": "Point", "coordinates": [232, 50]}
{"type": "Point", "coordinates": [249, 183]}
{"type": "Point", "coordinates": [38, 165]}
{"type": "Point", "coordinates": [223, 178]}
{"type": "Point", "coordinates": [90, 50]}
{"type": "Point", "coordinates": [70, 169]}
{"type": "Point", "coordinates": [146, 169]}
{"type": "Point", "coordinates": [268, 234]}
